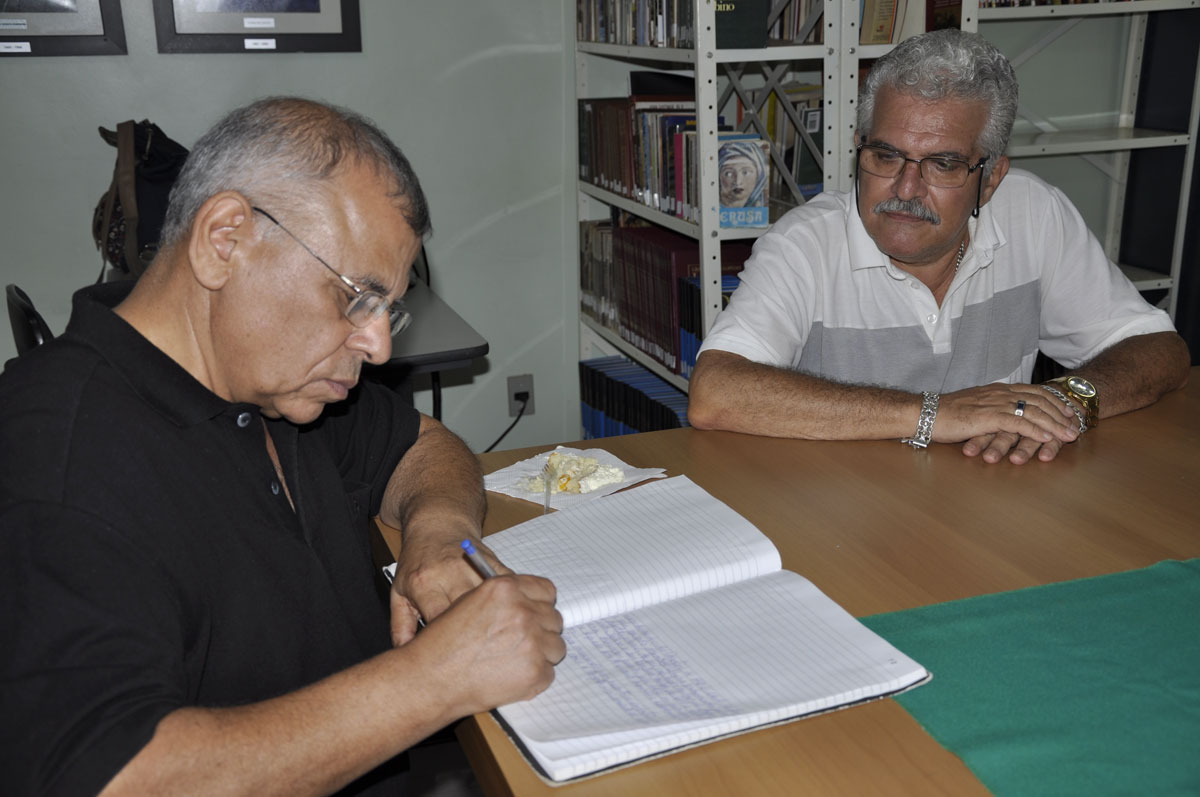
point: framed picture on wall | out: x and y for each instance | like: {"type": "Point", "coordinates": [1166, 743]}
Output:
{"type": "Point", "coordinates": [240, 26]}
{"type": "Point", "coordinates": [61, 27]}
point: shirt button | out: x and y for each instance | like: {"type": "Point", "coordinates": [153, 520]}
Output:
{"type": "Point", "coordinates": [931, 318]}
{"type": "Point", "coordinates": [274, 487]}
{"type": "Point", "coordinates": [914, 285]}
{"type": "Point", "coordinates": [243, 420]}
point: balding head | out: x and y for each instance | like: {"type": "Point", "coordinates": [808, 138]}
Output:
{"type": "Point", "coordinates": [278, 151]}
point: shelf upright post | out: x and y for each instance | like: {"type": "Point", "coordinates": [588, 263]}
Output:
{"type": "Point", "coordinates": [1185, 190]}
{"type": "Point", "coordinates": [970, 16]}
{"type": "Point", "coordinates": [707, 148]}
{"type": "Point", "coordinates": [1126, 116]}
{"type": "Point", "coordinates": [841, 89]}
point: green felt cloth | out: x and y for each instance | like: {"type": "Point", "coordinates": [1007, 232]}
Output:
{"type": "Point", "coordinates": [1083, 687]}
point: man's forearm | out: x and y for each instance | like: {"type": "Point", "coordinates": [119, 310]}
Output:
{"type": "Point", "coordinates": [313, 741]}
{"type": "Point", "coordinates": [497, 645]}
{"type": "Point", "coordinates": [435, 497]}
{"type": "Point", "coordinates": [1137, 371]}
{"type": "Point", "coordinates": [438, 475]}
{"type": "Point", "coordinates": [729, 392]}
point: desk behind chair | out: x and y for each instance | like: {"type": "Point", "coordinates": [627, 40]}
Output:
{"type": "Point", "coordinates": [438, 339]}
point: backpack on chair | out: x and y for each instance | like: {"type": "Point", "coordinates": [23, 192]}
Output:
{"type": "Point", "coordinates": [128, 218]}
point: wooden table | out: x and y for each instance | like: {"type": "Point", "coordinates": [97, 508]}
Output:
{"type": "Point", "coordinates": [880, 527]}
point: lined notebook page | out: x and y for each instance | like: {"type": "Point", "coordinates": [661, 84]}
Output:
{"type": "Point", "coordinates": [650, 544]}
{"type": "Point", "coordinates": [715, 663]}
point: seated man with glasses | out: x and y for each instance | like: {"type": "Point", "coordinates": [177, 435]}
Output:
{"type": "Point", "coordinates": [914, 307]}
{"type": "Point", "coordinates": [188, 598]}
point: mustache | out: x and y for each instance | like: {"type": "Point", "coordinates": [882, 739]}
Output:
{"type": "Point", "coordinates": [909, 207]}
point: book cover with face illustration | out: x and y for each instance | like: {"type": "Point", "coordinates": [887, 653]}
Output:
{"type": "Point", "coordinates": [743, 172]}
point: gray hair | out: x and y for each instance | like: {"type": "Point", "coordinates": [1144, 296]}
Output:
{"type": "Point", "coordinates": [280, 148]}
{"type": "Point", "coordinates": [948, 63]}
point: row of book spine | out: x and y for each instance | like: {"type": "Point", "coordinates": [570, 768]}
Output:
{"type": "Point", "coordinates": [626, 145]}
{"type": "Point", "coordinates": [648, 23]}
{"type": "Point", "coordinates": [618, 396]}
{"type": "Point", "coordinates": [629, 283]}
{"type": "Point", "coordinates": [1017, 3]}
{"type": "Point", "coordinates": [792, 24]}
{"type": "Point", "coordinates": [672, 23]}
{"type": "Point", "coordinates": [739, 23]}
{"type": "Point", "coordinates": [644, 148]}
{"type": "Point", "coordinates": [691, 317]}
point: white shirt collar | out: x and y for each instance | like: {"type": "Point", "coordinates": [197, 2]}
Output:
{"type": "Point", "coordinates": [986, 237]}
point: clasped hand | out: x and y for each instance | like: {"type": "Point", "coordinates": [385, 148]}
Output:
{"type": "Point", "coordinates": [985, 418]}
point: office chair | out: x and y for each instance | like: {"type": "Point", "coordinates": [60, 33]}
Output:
{"type": "Point", "coordinates": [29, 329]}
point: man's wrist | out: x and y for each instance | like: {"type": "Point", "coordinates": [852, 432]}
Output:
{"type": "Point", "coordinates": [924, 433]}
{"type": "Point", "coordinates": [435, 529]}
{"type": "Point", "coordinates": [1080, 395]}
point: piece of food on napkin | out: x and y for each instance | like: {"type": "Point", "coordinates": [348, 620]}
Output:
{"type": "Point", "coordinates": [569, 473]}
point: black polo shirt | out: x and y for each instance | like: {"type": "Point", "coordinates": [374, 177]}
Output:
{"type": "Point", "coordinates": [149, 558]}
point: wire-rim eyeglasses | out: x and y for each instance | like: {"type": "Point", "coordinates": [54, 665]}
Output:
{"type": "Point", "coordinates": [936, 170]}
{"type": "Point", "coordinates": [367, 305]}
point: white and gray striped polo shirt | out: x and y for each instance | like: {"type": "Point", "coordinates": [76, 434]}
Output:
{"type": "Point", "coordinates": [818, 296]}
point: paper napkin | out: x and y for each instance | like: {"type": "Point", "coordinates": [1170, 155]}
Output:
{"type": "Point", "coordinates": [508, 480]}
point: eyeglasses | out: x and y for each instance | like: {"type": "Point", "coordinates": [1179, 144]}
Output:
{"type": "Point", "coordinates": [936, 171]}
{"type": "Point", "coordinates": [367, 305]}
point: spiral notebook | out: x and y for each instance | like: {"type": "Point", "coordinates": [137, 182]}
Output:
{"type": "Point", "coordinates": [681, 628]}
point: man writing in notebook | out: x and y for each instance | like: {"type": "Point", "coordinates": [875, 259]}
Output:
{"type": "Point", "coordinates": [185, 580]}
{"type": "Point", "coordinates": [915, 307]}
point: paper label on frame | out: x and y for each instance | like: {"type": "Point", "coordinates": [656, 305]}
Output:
{"type": "Point", "coordinates": [14, 24]}
{"type": "Point", "coordinates": [15, 47]}
{"type": "Point", "coordinates": [261, 23]}
{"type": "Point", "coordinates": [260, 44]}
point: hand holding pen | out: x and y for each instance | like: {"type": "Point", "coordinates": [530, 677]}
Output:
{"type": "Point", "coordinates": [477, 561]}
{"type": "Point", "coordinates": [499, 641]}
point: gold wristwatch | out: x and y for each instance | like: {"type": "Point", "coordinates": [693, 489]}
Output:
{"type": "Point", "coordinates": [1083, 393]}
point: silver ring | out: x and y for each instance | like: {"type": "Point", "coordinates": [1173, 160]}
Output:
{"type": "Point", "coordinates": [1020, 410]}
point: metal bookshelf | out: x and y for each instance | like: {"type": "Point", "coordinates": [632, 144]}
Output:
{"type": "Point", "coordinates": [840, 58]}
{"type": "Point", "coordinates": [1114, 142]}
{"type": "Point", "coordinates": [710, 68]}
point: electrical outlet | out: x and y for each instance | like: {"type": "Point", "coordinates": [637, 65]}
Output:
{"type": "Point", "coordinates": [523, 383]}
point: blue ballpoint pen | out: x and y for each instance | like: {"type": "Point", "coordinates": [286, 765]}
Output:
{"type": "Point", "coordinates": [480, 564]}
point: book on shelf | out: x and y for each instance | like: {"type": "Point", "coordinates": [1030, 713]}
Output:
{"type": "Point", "coordinates": [944, 14]}
{"type": "Point", "coordinates": [807, 170]}
{"type": "Point", "coordinates": [741, 24]}
{"type": "Point", "coordinates": [691, 317]}
{"type": "Point", "coordinates": [670, 23]}
{"type": "Point", "coordinates": [799, 22]}
{"type": "Point", "coordinates": [619, 138]}
{"type": "Point", "coordinates": [685, 175]}
{"type": "Point", "coordinates": [744, 175]}
{"type": "Point", "coordinates": [670, 256]}
{"type": "Point", "coordinates": [629, 283]}
{"type": "Point", "coordinates": [743, 178]}
{"type": "Point", "coordinates": [618, 396]}
{"type": "Point", "coordinates": [671, 143]}
{"type": "Point", "coordinates": [792, 133]}
{"type": "Point", "coordinates": [1015, 3]}
{"type": "Point", "coordinates": [651, 82]}
{"type": "Point", "coordinates": [597, 278]}
{"type": "Point", "coordinates": [880, 21]}
{"type": "Point", "coordinates": [682, 627]}
{"type": "Point", "coordinates": [642, 147]}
